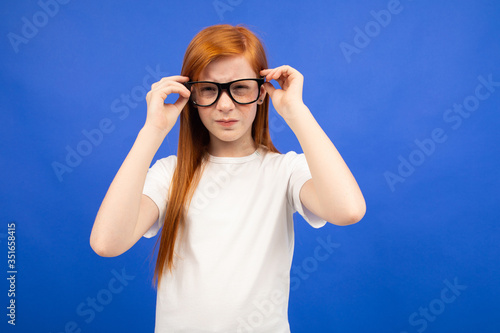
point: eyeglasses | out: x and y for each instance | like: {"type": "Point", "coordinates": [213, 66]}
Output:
{"type": "Point", "coordinates": [243, 91]}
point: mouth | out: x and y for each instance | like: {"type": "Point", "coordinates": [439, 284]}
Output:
{"type": "Point", "coordinates": [227, 122]}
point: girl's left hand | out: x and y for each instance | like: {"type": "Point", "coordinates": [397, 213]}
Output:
{"type": "Point", "coordinates": [289, 97]}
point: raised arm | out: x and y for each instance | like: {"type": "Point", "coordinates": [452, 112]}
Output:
{"type": "Point", "coordinates": [332, 194]}
{"type": "Point", "coordinates": [125, 213]}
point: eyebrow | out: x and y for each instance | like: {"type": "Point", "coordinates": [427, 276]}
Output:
{"type": "Point", "coordinates": [226, 81]}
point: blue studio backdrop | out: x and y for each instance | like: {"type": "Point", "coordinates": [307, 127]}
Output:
{"type": "Point", "coordinates": [408, 91]}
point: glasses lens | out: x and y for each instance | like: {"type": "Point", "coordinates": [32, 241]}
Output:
{"type": "Point", "coordinates": [204, 93]}
{"type": "Point", "coordinates": [245, 91]}
{"type": "Point", "coordinates": [242, 91]}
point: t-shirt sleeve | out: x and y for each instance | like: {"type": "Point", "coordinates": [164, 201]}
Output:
{"type": "Point", "coordinates": [156, 187]}
{"type": "Point", "coordinates": [299, 174]}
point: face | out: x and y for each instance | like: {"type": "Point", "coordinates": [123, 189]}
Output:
{"type": "Point", "coordinates": [229, 123]}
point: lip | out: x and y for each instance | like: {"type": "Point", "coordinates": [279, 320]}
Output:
{"type": "Point", "coordinates": [227, 122]}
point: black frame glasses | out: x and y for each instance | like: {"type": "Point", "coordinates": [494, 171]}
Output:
{"type": "Point", "coordinates": [226, 86]}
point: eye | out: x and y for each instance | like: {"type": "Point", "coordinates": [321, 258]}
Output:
{"type": "Point", "coordinates": [240, 89]}
{"type": "Point", "coordinates": [242, 86]}
{"type": "Point", "coordinates": [207, 89]}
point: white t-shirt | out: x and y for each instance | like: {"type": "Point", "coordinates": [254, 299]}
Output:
{"type": "Point", "coordinates": [233, 270]}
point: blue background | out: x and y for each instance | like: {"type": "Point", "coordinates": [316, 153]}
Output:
{"type": "Point", "coordinates": [439, 224]}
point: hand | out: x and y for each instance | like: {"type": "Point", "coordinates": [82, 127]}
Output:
{"type": "Point", "coordinates": [289, 97]}
{"type": "Point", "coordinates": [160, 115]}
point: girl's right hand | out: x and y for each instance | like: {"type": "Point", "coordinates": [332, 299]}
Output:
{"type": "Point", "coordinates": [160, 115]}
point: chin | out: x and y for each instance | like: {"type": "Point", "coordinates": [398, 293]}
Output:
{"type": "Point", "coordinates": [227, 137]}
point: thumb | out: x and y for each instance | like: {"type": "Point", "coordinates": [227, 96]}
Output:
{"type": "Point", "coordinates": [269, 89]}
{"type": "Point", "coordinates": [181, 102]}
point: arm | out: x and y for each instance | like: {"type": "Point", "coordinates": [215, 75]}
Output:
{"type": "Point", "coordinates": [332, 194]}
{"type": "Point", "coordinates": [125, 213]}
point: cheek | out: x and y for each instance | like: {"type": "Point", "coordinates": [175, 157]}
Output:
{"type": "Point", "coordinates": [250, 113]}
{"type": "Point", "coordinates": [204, 115]}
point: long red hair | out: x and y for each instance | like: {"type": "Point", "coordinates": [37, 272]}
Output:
{"type": "Point", "coordinates": [208, 45]}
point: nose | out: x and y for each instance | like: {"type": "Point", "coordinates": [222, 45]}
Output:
{"type": "Point", "coordinates": [225, 103]}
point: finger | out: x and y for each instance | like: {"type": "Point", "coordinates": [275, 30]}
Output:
{"type": "Point", "coordinates": [287, 70]}
{"type": "Point", "coordinates": [287, 75]}
{"type": "Point", "coordinates": [280, 73]}
{"type": "Point", "coordinates": [181, 102]}
{"type": "Point", "coordinates": [278, 76]}
{"type": "Point", "coordinates": [180, 88]}
{"type": "Point", "coordinates": [163, 92]}
{"type": "Point", "coordinates": [164, 80]}
{"type": "Point", "coordinates": [176, 78]}
{"type": "Point", "coordinates": [268, 74]}
{"type": "Point", "coordinates": [275, 74]}
{"type": "Point", "coordinates": [183, 78]}
{"type": "Point", "coordinates": [266, 71]}
{"type": "Point", "coordinates": [269, 89]}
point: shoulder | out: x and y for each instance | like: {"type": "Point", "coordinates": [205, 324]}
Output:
{"type": "Point", "coordinates": [283, 161]}
{"type": "Point", "coordinates": [288, 157]}
{"type": "Point", "coordinates": [169, 160]}
{"type": "Point", "coordinates": [164, 165]}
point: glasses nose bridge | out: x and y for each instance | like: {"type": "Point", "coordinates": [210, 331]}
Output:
{"type": "Point", "coordinates": [224, 87]}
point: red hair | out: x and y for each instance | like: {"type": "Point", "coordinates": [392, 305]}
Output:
{"type": "Point", "coordinates": [208, 45]}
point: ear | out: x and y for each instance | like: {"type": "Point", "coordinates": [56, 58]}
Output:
{"type": "Point", "coordinates": [262, 95]}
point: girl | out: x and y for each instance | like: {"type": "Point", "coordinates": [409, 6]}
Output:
{"type": "Point", "coordinates": [226, 201]}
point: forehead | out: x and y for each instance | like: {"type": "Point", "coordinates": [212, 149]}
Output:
{"type": "Point", "coordinates": [227, 69]}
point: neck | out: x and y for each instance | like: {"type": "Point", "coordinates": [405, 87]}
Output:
{"type": "Point", "coordinates": [231, 149]}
